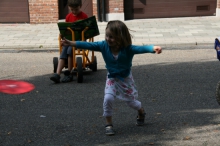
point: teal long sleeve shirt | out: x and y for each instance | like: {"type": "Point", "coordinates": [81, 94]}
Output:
{"type": "Point", "coordinates": [122, 66]}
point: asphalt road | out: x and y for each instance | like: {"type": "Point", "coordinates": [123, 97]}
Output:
{"type": "Point", "coordinates": [176, 88]}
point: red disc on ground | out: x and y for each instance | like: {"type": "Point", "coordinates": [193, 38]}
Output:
{"type": "Point", "coordinates": [15, 87]}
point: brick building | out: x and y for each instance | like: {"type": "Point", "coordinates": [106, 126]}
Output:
{"type": "Point", "coordinates": [218, 8]}
{"type": "Point", "coordinates": [50, 11]}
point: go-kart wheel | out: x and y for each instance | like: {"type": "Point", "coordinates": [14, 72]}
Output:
{"type": "Point", "coordinates": [217, 93]}
{"type": "Point", "coordinates": [94, 64]}
{"type": "Point", "coordinates": [79, 72]}
{"type": "Point", "coordinates": [55, 64]}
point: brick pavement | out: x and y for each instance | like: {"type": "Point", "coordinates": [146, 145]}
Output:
{"type": "Point", "coordinates": [163, 31]}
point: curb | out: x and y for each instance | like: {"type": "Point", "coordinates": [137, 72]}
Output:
{"type": "Point", "coordinates": [55, 48]}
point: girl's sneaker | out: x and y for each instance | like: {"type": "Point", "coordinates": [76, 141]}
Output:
{"type": "Point", "coordinates": [109, 130]}
{"type": "Point", "coordinates": [140, 119]}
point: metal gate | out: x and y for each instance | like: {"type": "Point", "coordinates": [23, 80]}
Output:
{"type": "Point", "coordinates": [14, 11]}
{"type": "Point", "coordinates": [140, 9]}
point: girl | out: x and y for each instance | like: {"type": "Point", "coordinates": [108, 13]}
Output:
{"type": "Point", "coordinates": [118, 51]}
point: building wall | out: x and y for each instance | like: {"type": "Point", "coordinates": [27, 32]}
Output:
{"type": "Point", "coordinates": [94, 6]}
{"type": "Point", "coordinates": [218, 8]}
{"type": "Point", "coordinates": [114, 6]}
{"type": "Point", "coordinates": [43, 11]}
{"type": "Point", "coordinates": [114, 10]}
{"type": "Point", "coordinates": [47, 11]}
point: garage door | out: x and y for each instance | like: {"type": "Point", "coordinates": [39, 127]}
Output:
{"type": "Point", "coordinates": [86, 8]}
{"type": "Point", "coordinates": [14, 11]}
{"type": "Point", "coordinates": [139, 9]}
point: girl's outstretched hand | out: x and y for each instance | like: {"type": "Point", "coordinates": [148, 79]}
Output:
{"type": "Point", "coordinates": [65, 42]}
{"type": "Point", "coordinates": [158, 49]}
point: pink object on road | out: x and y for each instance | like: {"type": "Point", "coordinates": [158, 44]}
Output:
{"type": "Point", "coordinates": [15, 87]}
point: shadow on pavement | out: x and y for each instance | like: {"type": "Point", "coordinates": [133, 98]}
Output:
{"type": "Point", "coordinates": [179, 100]}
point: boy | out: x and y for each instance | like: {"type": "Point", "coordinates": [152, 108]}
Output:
{"type": "Point", "coordinates": [66, 54]}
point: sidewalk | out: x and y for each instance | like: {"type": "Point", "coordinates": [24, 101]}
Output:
{"type": "Point", "coordinates": [163, 31]}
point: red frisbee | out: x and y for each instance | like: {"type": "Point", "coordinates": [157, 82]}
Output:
{"type": "Point", "coordinates": [15, 87]}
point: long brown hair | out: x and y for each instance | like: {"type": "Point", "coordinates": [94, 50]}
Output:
{"type": "Point", "coordinates": [120, 32]}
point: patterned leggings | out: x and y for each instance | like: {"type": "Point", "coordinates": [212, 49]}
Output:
{"type": "Point", "coordinates": [108, 105]}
